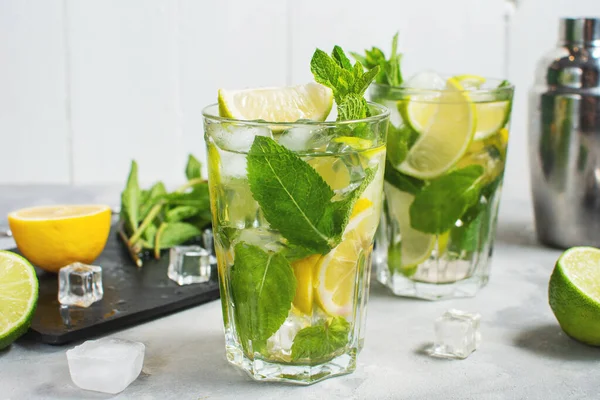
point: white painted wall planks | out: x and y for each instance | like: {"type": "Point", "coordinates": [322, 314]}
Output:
{"type": "Point", "coordinates": [85, 86]}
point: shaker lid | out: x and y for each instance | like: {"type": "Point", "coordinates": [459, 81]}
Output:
{"type": "Point", "coordinates": [580, 30]}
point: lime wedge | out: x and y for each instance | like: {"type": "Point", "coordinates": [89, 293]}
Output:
{"type": "Point", "coordinates": [446, 122]}
{"type": "Point", "coordinates": [18, 296]}
{"type": "Point", "coordinates": [312, 101]}
{"type": "Point", "coordinates": [415, 246]}
{"type": "Point", "coordinates": [574, 293]}
{"type": "Point", "coordinates": [491, 115]}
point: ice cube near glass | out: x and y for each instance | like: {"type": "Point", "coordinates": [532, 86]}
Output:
{"type": "Point", "coordinates": [106, 365]}
{"type": "Point", "coordinates": [80, 285]}
{"type": "Point", "coordinates": [189, 265]}
{"type": "Point", "coordinates": [456, 334]}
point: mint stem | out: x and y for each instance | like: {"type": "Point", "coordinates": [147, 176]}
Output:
{"type": "Point", "coordinates": [159, 232]}
{"type": "Point", "coordinates": [137, 234]}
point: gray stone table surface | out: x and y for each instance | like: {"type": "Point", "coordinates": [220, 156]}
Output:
{"type": "Point", "coordinates": [523, 354]}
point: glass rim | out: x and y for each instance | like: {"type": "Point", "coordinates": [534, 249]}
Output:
{"type": "Point", "coordinates": [497, 90]}
{"type": "Point", "coordinates": [382, 114]}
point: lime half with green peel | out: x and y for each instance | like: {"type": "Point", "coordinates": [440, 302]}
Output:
{"type": "Point", "coordinates": [18, 296]}
{"type": "Point", "coordinates": [312, 101]}
{"type": "Point", "coordinates": [574, 293]}
{"type": "Point", "coordinates": [446, 122]}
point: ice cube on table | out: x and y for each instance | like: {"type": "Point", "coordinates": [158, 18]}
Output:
{"type": "Point", "coordinates": [456, 334]}
{"type": "Point", "coordinates": [190, 264]}
{"type": "Point", "coordinates": [426, 80]}
{"type": "Point", "coordinates": [80, 285]}
{"type": "Point", "coordinates": [106, 365]}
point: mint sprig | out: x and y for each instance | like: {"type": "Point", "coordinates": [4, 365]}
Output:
{"type": "Point", "coordinates": [438, 206]}
{"type": "Point", "coordinates": [323, 341]}
{"type": "Point", "coordinates": [263, 288]}
{"type": "Point", "coordinates": [295, 199]}
{"type": "Point", "coordinates": [389, 70]}
{"type": "Point", "coordinates": [347, 82]}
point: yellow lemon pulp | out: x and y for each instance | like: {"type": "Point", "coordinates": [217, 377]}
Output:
{"type": "Point", "coordinates": [54, 236]}
{"type": "Point", "coordinates": [333, 275]}
{"type": "Point", "coordinates": [304, 270]}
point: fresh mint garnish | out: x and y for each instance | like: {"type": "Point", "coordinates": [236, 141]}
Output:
{"type": "Point", "coordinates": [263, 287]}
{"type": "Point", "coordinates": [389, 71]}
{"type": "Point", "coordinates": [171, 234]}
{"type": "Point", "coordinates": [438, 206]}
{"type": "Point", "coordinates": [347, 82]}
{"type": "Point", "coordinates": [193, 169]}
{"type": "Point", "coordinates": [130, 199]}
{"type": "Point", "coordinates": [150, 217]}
{"type": "Point", "coordinates": [295, 199]}
{"type": "Point", "coordinates": [323, 341]}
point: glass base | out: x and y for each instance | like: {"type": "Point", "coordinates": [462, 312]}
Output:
{"type": "Point", "coordinates": [268, 371]}
{"type": "Point", "coordinates": [403, 286]}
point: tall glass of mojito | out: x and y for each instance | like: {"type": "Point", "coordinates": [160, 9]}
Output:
{"type": "Point", "coordinates": [295, 209]}
{"type": "Point", "coordinates": [444, 168]}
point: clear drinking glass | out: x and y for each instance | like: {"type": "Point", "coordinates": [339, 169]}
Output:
{"type": "Point", "coordinates": [438, 225]}
{"type": "Point", "coordinates": [295, 209]}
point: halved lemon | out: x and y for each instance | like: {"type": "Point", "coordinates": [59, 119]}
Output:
{"type": "Point", "coordinates": [277, 104]}
{"type": "Point", "coordinates": [54, 236]}
{"type": "Point", "coordinates": [446, 122]}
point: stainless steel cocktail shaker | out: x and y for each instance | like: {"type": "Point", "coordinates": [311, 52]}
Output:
{"type": "Point", "coordinates": [564, 138]}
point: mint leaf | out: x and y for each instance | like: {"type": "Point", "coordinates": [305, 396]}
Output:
{"type": "Point", "coordinates": [295, 199]}
{"type": "Point", "coordinates": [400, 140]}
{"type": "Point", "coordinates": [198, 197]}
{"type": "Point", "coordinates": [153, 197]}
{"type": "Point", "coordinates": [175, 233]}
{"type": "Point", "coordinates": [439, 205]}
{"type": "Point", "coordinates": [401, 181]}
{"type": "Point", "coordinates": [347, 82]}
{"type": "Point", "coordinates": [352, 107]}
{"type": "Point", "coordinates": [130, 199]}
{"type": "Point", "coordinates": [193, 169]}
{"type": "Point", "coordinates": [263, 287]}
{"type": "Point", "coordinates": [292, 195]}
{"type": "Point", "coordinates": [180, 213]}
{"type": "Point", "coordinates": [323, 341]}
{"type": "Point", "coordinates": [389, 71]}
{"type": "Point", "coordinates": [340, 57]}
{"type": "Point", "coordinates": [467, 236]}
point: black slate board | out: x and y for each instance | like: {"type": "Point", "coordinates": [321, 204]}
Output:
{"type": "Point", "coordinates": [131, 295]}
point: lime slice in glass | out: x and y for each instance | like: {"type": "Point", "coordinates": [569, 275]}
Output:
{"type": "Point", "coordinates": [18, 296]}
{"type": "Point", "coordinates": [312, 101]}
{"type": "Point", "coordinates": [492, 114]}
{"type": "Point", "coordinates": [415, 246]}
{"type": "Point", "coordinates": [446, 122]}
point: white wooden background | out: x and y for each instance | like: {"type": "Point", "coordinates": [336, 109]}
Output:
{"type": "Point", "coordinates": [87, 85]}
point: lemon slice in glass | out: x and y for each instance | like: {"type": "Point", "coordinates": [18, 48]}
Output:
{"type": "Point", "coordinates": [312, 101]}
{"type": "Point", "coordinates": [446, 122]}
{"type": "Point", "coordinates": [335, 274]}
